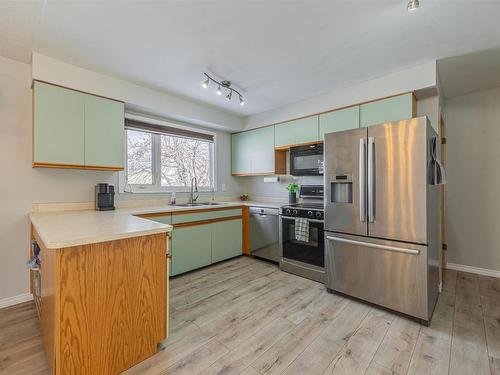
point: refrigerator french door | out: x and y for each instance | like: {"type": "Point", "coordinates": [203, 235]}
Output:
{"type": "Point", "coordinates": [381, 216]}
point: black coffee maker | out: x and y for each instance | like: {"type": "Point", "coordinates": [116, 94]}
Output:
{"type": "Point", "coordinates": [104, 197]}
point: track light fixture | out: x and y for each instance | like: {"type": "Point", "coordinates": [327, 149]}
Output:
{"type": "Point", "coordinates": [220, 85]}
{"type": "Point", "coordinates": [412, 5]}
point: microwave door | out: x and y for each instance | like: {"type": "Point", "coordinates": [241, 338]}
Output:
{"type": "Point", "coordinates": [345, 182]}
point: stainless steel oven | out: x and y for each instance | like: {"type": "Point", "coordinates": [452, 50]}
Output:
{"type": "Point", "coordinates": [306, 160]}
{"type": "Point", "coordinates": [303, 255]}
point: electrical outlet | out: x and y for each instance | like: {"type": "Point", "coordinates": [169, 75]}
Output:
{"type": "Point", "coordinates": [223, 187]}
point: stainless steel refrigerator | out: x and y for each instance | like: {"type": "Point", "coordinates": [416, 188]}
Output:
{"type": "Point", "coordinates": [382, 216]}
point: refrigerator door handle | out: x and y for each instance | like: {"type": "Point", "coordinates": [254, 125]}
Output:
{"type": "Point", "coordinates": [362, 181]}
{"type": "Point", "coordinates": [374, 245]}
{"type": "Point", "coordinates": [371, 181]}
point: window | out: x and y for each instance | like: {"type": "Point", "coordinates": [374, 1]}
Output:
{"type": "Point", "coordinates": [166, 158]}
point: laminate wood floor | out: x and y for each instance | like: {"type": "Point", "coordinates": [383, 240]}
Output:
{"type": "Point", "coordinates": [247, 317]}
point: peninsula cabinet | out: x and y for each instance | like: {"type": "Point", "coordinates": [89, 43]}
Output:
{"type": "Point", "coordinates": [252, 152]}
{"type": "Point", "coordinates": [92, 298]}
{"type": "Point", "coordinates": [72, 129]}
{"type": "Point", "coordinates": [395, 108]}
{"type": "Point", "coordinates": [343, 119]}
{"type": "Point", "coordinates": [296, 132]}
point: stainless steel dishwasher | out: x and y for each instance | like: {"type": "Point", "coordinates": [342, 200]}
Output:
{"type": "Point", "coordinates": [264, 233]}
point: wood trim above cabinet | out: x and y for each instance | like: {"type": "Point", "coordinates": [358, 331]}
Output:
{"type": "Point", "coordinates": [75, 166]}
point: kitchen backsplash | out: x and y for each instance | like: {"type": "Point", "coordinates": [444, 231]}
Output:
{"type": "Point", "coordinates": [255, 186]}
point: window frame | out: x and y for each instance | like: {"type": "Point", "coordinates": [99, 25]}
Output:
{"type": "Point", "coordinates": [155, 187]}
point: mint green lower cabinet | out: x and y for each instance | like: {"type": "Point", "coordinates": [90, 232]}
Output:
{"type": "Point", "coordinates": [167, 219]}
{"type": "Point", "coordinates": [343, 119]}
{"type": "Point", "coordinates": [104, 132]}
{"type": "Point", "coordinates": [400, 107]}
{"type": "Point", "coordinates": [191, 248]}
{"type": "Point", "coordinates": [226, 239]}
{"type": "Point", "coordinates": [59, 128]}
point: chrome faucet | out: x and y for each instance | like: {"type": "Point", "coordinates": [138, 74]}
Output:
{"type": "Point", "coordinates": [194, 183]}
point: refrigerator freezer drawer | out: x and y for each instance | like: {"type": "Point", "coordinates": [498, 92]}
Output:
{"type": "Point", "coordinates": [387, 273]}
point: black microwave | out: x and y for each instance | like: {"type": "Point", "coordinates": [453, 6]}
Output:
{"type": "Point", "coordinates": [306, 160]}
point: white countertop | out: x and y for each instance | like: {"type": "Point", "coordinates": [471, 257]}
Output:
{"type": "Point", "coordinates": [62, 229]}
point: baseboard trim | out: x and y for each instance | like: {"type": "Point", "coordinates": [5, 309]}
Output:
{"type": "Point", "coordinates": [15, 300]}
{"type": "Point", "coordinates": [470, 269]}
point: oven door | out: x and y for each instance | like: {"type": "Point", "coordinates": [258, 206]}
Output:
{"type": "Point", "coordinates": [311, 252]}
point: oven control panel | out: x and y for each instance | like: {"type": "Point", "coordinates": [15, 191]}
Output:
{"type": "Point", "coordinates": [297, 212]}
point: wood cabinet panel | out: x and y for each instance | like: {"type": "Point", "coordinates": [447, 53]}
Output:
{"type": "Point", "coordinates": [105, 290]}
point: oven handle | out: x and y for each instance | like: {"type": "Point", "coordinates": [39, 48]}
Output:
{"type": "Point", "coordinates": [374, 245]}
{"type": "Point", "coordinates": [293, 218]}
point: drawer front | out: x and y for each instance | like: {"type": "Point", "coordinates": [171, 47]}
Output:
{"type": "Point", "coordinates": [167, 219]}
{"type": "Point", "coordinates": [395, 277]}
{"type": "Point", "coordinates": [205, 215]}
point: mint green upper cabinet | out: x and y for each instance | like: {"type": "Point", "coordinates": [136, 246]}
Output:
{"type": "Point", "coordinates": [59, 133]}
{"type": "Point", "coordinates": [391, 109]}
{"type": "Point", "coordinates": [104, 132]}
{"type": "Point", "coordinates": [72, 128]}
{"type": "Point", "coordinates": [343, 119]}
{"type": "Point", "coordinates": [295, 132]}
{"type": "Point", "coordinates": [284, 134]}
{"type": "Point", "coordinates": [262, 146]}
{"type": "Point", "coordinates": [191, 248]}
{"type": "Point", "coordinates": [226, 239]}
{"type": "Point", "coordinates": [241, 162]}
{"type": "Point", "coordinates": [252, 152]}
{"type": "Point", "coordinates": [306, 130]}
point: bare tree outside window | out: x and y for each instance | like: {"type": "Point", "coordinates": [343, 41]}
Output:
{"type": "Point", "coordinates": [164, 162]}
{"type": "Point", "coordinates": [139, 157]}
{"type": "Point", "coordinates": [182, 159]}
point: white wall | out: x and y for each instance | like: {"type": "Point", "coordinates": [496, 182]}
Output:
{"type": "Point", "coordinates": [21, 185]}
{"type": "Point", "coordinates": [472, 192]}
{"type": "Point", "coordinates": [160, 103]}
{"type": "Point", "coordinates": [421, 77]}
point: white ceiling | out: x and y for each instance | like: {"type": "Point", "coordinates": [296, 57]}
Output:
{"type": "Point", "coordinates": [465, 74]}
{"type": "Point", "coordinates": [276, 52]}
